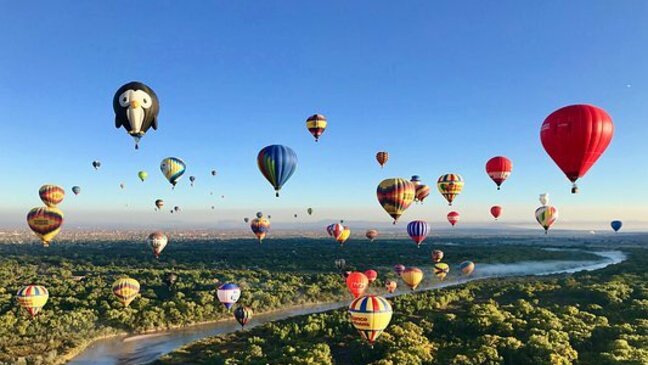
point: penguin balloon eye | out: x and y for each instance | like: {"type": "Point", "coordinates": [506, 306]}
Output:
{"type": "Point", "coordinates": [144, 98]}
{"type": "Point", "coordinates": [124, 98]}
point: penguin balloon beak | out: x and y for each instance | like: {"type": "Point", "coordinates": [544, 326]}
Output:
{"type": "Point", "coordinates": [134, 104]}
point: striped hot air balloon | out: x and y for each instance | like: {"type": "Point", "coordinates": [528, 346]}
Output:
{"type": "Point", "coordinates": [370, 315]}
{"type": "Point", "coordinates": [441, 270]}
{"type": "Point", "coordinates": [450, 185]}
{"type": "Point", "coordinates": [395, 195]}
{"type": "Point", "coordinates": [173, 168]}
{"type": "Point", "coordinates": [499, 169]}
{"type": "Point", "coordinates": [228, 294]}
{"type": "Point", "coordinates": [412, 276]}
{"type": "Point", "coordinates": [316, 125]}
{"type": "Point", "coordinates": [277, 163]}
{"type": "Point", "coordinates": [417, 231]}
{"type": "Point", "coordinates": [45, 222]}
{"type": "Point", "coordinates": [260, 227]}
{"type": "Point", "coordinates": [126, 289]}
{"type": "Point", "coordinates": [243, 314]}
{"type": "Point", "coordinates": [382, 158]}
{"type": "Point", "coordinates": [467, 267]}
{"type": "Point", "coordinates": [33, 298]}
{"type": "Point", "coordinates": [422, 192]}
{"type": "Point", "coordinates": [546, 216]}
{"type": "Point", "coordinates": [51, 195]}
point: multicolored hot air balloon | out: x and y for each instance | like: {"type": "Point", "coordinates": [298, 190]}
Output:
{"type": "Point", "coordinates": [173, 168]}
{"type": "Point", "coordinates": [316, 125]}
{"type": "Point", "coordinates": [370, 315]}
{"type": "Point", "coordinates": [391, 286]}
{"type": "Point", "coordinates": [382, 158]}
{"type": "Point", "coordinates": [371, 234]}
{"type": "Point", "coordinates": [192, 179]}
{"type": "Point", "coordinates": [412, 276]}
{"type": "Point", "coordinates": [126, 290]}
{"type": "Point", "coordinates": [344, 236]}
{"type": "Point", "coordinates": [136, 108]}
{"type": "Point", "coordinates": [143, 175]}
{"type": "Point", "coordinates": [544, 199]}
{"type": "Point", "coordinates": [575, 137]}
{"type": "Point", "coordinates": [228, 294]}
{"type": "Point", "coordinates": [450, 185]}
{"type": "Point", "coordinates": [260, 227]}
{"type": "Point", "coordinates": [96, 164]}
{"type": "Point", "coordinates": [45, 222]}
{"type": "Point", "coordinates": [441, 270]}
{"type": "Point", "coordinates": [334, 230]}
{"type": "Point", "coordinates": [496, 211]}
{"type": "Point", "coordinates": [277, 163]}
{"type": "Point", "coordinates": [417, 231]}
{"type": "Point", "coordinates": [616, 225]}
{"type": "Point", "coordinates": [422, 191]}
{"type": "Point", "coordinates": [159, 203]}
{"type": "Point", "coordinates": [437, 255]}
{"type": "Point", "coordinates": [416, 180]}
{"type": "Point", "coordinates": [499, 169]}
{"type": "Point", "coordinates": [76, 190]}
{"type": "Point", "coordinates": [453, 217]}
{"type": "Point", "coordinates": [371, 275]}
{"type": "Point", "coordinates": [33, 298]}
{"type": "Point", "coordinates": [395, 195]}
{"type": "Point", "coordinates": [357, 283]}
{"type": "Point", "coordinates": [398, 269]}
{"type": "Point", "coordinates": [546, 216]}
{"type": "Point", "coordinates": [157, 241]}
{"type": "Point", "coordinates": [51, 195]}
{"type": "Point", "coordinates": [467, 267]}
{"type": "Point", "coordinates": [243, 315]}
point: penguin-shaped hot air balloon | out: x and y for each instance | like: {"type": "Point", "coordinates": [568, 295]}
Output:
{"type": "Point", "coordinates": [136, 108]}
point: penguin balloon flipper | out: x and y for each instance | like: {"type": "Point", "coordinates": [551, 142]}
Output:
{"type": "Point", "coordinates": [154, 123]}
{"type": "Point", "coordinates": [118, 123]}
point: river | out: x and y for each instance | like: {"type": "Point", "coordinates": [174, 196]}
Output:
{"type": "Point", "coordinates": [144, 349]}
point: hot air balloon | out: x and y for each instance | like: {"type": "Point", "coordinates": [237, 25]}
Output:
{"type": "Point", "coordinates": [259, 214]}
{"type": "Point", "coordinates": [417, 231]}
{"type": "Point", "coordinates": [371, 275]}
{"type": "Point", "coordinates": [370, 315]}
{"type": "Point", "coordinates": [170, 279]}
{"type": "Point", "coordinates": [382, 158]}
{"type": "Point", "coordinates": [412, 276]}
{"type": "Point", "coordinates": [546, 216]}
{"type": "Point", "coordinates": [499, 169]}
{"type": "Point", "coordinates": [96, 164]}
{"type": "Point", "coordinates": [340, 264]}
{"type": "Point", "coordinates": [450, 185]}
{"type": "Point", "coordinates": [335, 230]}
{"type": "Point", "coordinates": [260, 227]}
{"type": "Point", "coordinates": [441, 270]}
{"type": "Point", "coordinates": [357, 283]}
{"type": "Point", "coordinates": [422, 191]}
{"type": "Point", "coordinates": [33, 298]}
{"type": "Point", "coordinates": [157, 241]}
{"type": "Point", "coordinates": [269, 216]}
{"type": "Point", "coordinates": [213, 172]}
{"type": "Point", "coordinates": [76, 190]}
{"type": "Point", "coordinates": [51, 195]}
{"type": "Point", "coordinates": [453, 218]}
{"type": "Point", "coordinates": [192, 179]}
{"type": "Point", "coordinates": [309, 211]}
{"type": "Point", "coordinates": [496, 211]}
{"type": "Point", "coordinates": [277, 163]}
{"type": "Point", "coordinates": [398, 269]}
{"type": "Point", "coordinates": [246, 219]}
{"type": "Point", "coordinates": [159, 203]}
{"type": "Point", "coordinates": [371, 234]}
{"type": "Point", "coordinates": [391, 286]}
{"type": "Point", "coordinates": [45, 222]}
{"type": "Point", "coordinates": [575, 137]}
{"type": "Point", "coordinates": [416, 180]}
{"type": "Point", "coordinates": [176, 209]}
{"type": "Point", "coordinates": [395, 195]}
{"type": "Point", "coordinates": [136, 108]}
{"type": "Point", "coordinates": [467, 267]}
{"type": "Point", "coordinates": [126, 289]}
{"type": "Point", "coordinates": [544, 199]}
{"type": "Point", "coordinates": [344, 236]}
{"type": "Point", "coordinates": [437, 255]}
{"type": "Point", "coordinates": [316, 125]}
{"type": "Point", "coordinates": [295, 215]}
{"type": "Point", "coordinates": [143, 175]}
{"type": "Point", "coordinates": [173, 168]}
{"type": "Point", "coordinates": [228, 294]}
{"type": "Point", "coordinates": [122, 186]}
{"type": "Point", "coordinates": [616, 225]}
{"type": "Point", "coordinates": [346, 274]}
{"type": "Point", "coordinates": [243, 315]}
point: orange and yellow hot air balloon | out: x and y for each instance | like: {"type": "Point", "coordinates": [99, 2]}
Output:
{"type": "Point", "coordinates": [370, 315]}
{"type": "Point", "coordinates": [126, 289]}
{"type": "Point", "coordinates": [467, 267]}
{"type": "Point", "coordinates": [395, 195]}
{"type": "Point", "coordinates": [391, 286]}
{"type": "Point", "coordinates": [450, 185]}
{"type": "Point", "coordinates": [412, 276]}
{"type": "Point", "coordinates": [45, 222]}
{"type": "Point", "coordinates": [51, 195]}
{"type": "Point", "coordinates": [343, 236]}
{"type": "Point", "coordinates": [357, 283]}
{"type": "Point", "coordinates": [260, 226]}
{"type": "Point", "coordinates": [32, 298]}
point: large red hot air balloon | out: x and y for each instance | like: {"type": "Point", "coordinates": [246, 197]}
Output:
{"type": "Point", "coordinates": [575, 137]}
{"type": "Point", "coordinates": [357, 283]}
{"type": "Point", "coordinates": [496, 211]}
{"type": "Point", "coordinates": [499, 168]}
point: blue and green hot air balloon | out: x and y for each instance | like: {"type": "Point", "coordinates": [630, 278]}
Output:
{"type": "Point", "coordinates": [277, 163]}
{"type": "Point", "coordinates": [616, 225]}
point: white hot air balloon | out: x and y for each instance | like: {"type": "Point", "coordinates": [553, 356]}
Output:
{"type": "Point", "coordinates": [544, 199]}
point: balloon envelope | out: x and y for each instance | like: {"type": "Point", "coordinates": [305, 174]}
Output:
{"type": "Point", "coordinates": [450, 185]}
{"type": "Point", "coordinates": [32, 298]}
{"type": "Point", "coordinates": [126, 289]}
{"type": "Point", "coordinates": [45, 222]}
{"type": "Point", "coordinates": [228, 294]}
{"type": "Point", "coordinates": [136, 108]}
{"type": "Point", "coordinates": [616, 225]}
{"type": "Point", "coordinates": [357, 283]}
{"type": "Point", "coordinates": [371, 234]}
{"type": "Point", "coordinates": [499, 169]}
{"type": "Point", "coordinates": [417, 231]}
{"type": "Point", "coordinates": [467, 267]}
{"type": "Point", "coordinates": [546, 216]}
{"type": "Point", "coordinates": [453, 218]}
{"type": "Point", "coordinates": [395, 195]}
{"type": "Point", "coordinates": [441, 270]}
{"type": "Point", "coordinates": [243, 315]}
{"type": "Point", "coordinates": [316, 125]}
{"type": "Point", "coordinates": [371, 275]}
{"type": "Point", "coordinates": [157, 241]}
{"type": "Point", "coordinates": [496, 211]}
{"type": "Point", "coordinates": [370, 315]}
{"type": "Point", "coordinates": [412, 276]}
{"type": "Point", "coordinates": [173, 168]}
{"type": "Point", "coordinates": [382, 158]}
{"type": "Point", "coordinates": [76, 190]}
{"type": "Point", "coordinates": [51, 195]}
{"type": "Point", "coordinates": [437, 255]}
{"type": "Point", "coordinates": [277, 163]}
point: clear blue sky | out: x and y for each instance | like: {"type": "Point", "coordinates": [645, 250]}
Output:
{"type": "Point", "coordinates": [443, 86]}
